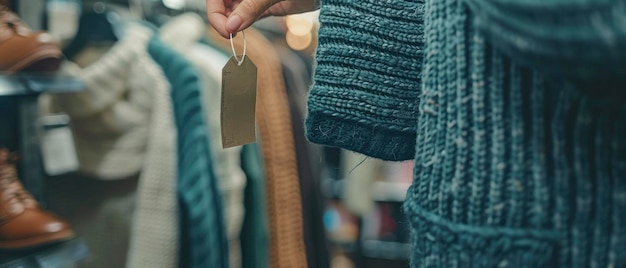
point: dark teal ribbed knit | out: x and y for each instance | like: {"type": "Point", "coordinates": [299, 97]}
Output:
{"type": "Point", "coordinates": [583, 39]}
{"type": "Point", "coordinates": [367, 78]}
{"type": "Point", "coordinates": [203, 234]}
{"type": "Point", "coordinates": [512, 169]}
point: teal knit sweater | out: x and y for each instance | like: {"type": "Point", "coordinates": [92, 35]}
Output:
{"type": "Point", "coordinates": [520, 159]}
{"type": "Point", "coordinates": [203, 239]}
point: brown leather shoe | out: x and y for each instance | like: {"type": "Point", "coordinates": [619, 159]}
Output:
{"type": "Point", "coordinates": [23, 49]}
{"type": "Point", "coordinates": [23, 224]}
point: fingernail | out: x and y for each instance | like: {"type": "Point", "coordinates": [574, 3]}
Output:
{"type": "Point", "coordinates": [233, 23]}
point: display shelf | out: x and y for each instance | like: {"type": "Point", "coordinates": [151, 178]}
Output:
{"type": "Point", "coordinates": [381, 191]}
{"type": "Point", "coordinates": [377, 263]}
{"type": "Point", "coordinates": [19, 111]}
{"type": "Point", "coordinates": [29, 84]}
{"type": "Point", "coordinates": [60, 255]}
{"type": "Point", "coordinates": [345, 246]}
{"type": "Point", "coordinates": [385, 250]}
{"type": "Point", "coordinates": [389, 191]}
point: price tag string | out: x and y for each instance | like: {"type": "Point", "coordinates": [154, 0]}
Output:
{"type": "Point", "coordinates": [232, 45]}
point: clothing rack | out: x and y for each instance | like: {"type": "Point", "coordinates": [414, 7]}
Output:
{"type": "Point", "coordinates": [20, 124]}
{"type": "Point", "coordinates": [60, 255]}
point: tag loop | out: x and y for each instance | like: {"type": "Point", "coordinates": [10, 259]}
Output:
{"type": "Point", "coordinates": [239, 62]}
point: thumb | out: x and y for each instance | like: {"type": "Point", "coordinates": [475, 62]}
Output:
{"type": "Point", "coordinates": [246, 13]}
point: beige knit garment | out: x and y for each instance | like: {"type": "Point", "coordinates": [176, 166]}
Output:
{"type": "Point", "coordinates": [182, 34]}
{"type": "Point", "coordinates": [123, 124]}
{"type": "Point", "coordinates": [287, 249]}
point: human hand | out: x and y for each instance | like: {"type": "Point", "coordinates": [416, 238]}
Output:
{"type": "Point", "coordinates": [232, 16]}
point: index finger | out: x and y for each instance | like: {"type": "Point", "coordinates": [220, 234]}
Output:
{"type": "Point", "coordinates": [216, 13]}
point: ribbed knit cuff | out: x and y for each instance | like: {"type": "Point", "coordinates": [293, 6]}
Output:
{"type": "Point", "coordinates": [367, 81]}
{"type": "Point", "coordinates": [377, 142]}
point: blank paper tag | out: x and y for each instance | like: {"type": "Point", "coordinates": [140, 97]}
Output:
{"type": "Point", "coordinates": [238, 103]}
{"type": "Point", "coordinates": [57, 145]}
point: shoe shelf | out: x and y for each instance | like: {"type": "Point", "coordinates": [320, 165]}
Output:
{"type": "Point", "coordinates": [59, 255]}
{"type": "Point", "coordinates": [18, 120]}
{"type": "Point", "coordinates": [19, 115]}
{"type": "Point", "coordinates": [29, 84]}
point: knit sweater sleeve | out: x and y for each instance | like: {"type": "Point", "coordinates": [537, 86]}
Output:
{"type": "Point", "coordinates": [581, 39]}
{"type": "Point", "coordinates": [367, 82]}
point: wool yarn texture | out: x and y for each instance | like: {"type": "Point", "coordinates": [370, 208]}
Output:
{"type": "Point", "coordinates": [367, 79]}
{"type": "Point", "coordinates": [515, 166]}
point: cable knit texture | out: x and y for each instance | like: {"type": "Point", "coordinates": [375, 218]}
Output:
{"type": "Point", "coordinates": [182, 34]}
{"type": "Point", "coordinates": [512, 169]}
{"type": "Point", "coordinates": [155, 230]}
{"type": "Point", "coordinates": [122, 125]}
{"type": "Point", "coordinates": [367, 78]}
{"type": "Point", "coordinates": [111, 116]}
{"type": "Point", "coordinates": [227, 163]}
{"type": "Point", "coordinates": [204, 242]}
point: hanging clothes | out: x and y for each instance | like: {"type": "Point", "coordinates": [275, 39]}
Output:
{"type": "Point", "coordinates": [284, 205]}
{"type": "Point", "coordinates": [297, 80]}
{"type": "Point", "coordinates": [204, 242]}
{"type": "Point", "coordinates": [182, 33]}
{"type": "Point", "coordinates": [123, 127]}
{"type": "Point", "coordinates": [154, 240]}
{"type": "Point", "coordinates": [254, 232]}
{"type": "Point", "coordinates": [111, 116]}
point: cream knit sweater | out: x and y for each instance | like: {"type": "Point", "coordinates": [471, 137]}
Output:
{"type": "Point", "coordinates": [123, 125]}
